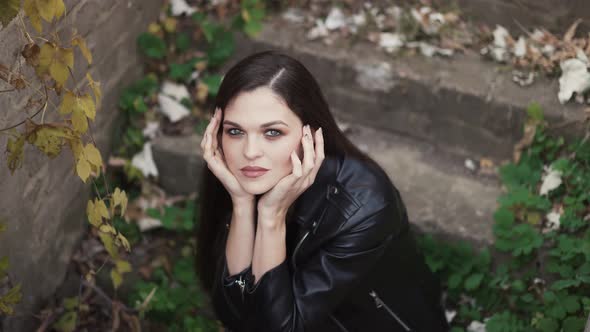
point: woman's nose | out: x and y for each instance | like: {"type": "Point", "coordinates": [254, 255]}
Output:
{"type": "Point", "coordinates": [252, 148]}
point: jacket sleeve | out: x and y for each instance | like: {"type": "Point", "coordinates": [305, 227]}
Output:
{"type": "Point", "coordinates": [228, 295]}
{"type": "Point", "coordinates": [303, 301]}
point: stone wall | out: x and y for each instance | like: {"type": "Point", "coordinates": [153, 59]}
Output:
{"type": "Point", "coordinates": [43, 203]}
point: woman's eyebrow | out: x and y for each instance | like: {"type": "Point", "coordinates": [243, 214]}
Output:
{"type": "Point", "coordinates": [264, 125]}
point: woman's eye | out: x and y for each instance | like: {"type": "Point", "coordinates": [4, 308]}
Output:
{"type": "Point", "coordinates": [278, 132]}
{"type": "Point", "coordinates": [236, 132]}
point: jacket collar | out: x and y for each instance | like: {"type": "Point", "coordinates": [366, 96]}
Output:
{"type": "Point", "coordinates": [310, 201]}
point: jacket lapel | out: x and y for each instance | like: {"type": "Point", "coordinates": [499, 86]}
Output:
{"type": "Point", "coordinates": [310, 201]}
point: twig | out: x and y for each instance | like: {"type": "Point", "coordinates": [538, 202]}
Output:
{"type": "Point", "coordinates": [50, 319]}
{"type": "Point", "coordinates": [31, 117]}
{"type": "Point", "coordinates": [106, 184]}
{"type": "Point", "coordinates": [103, 295]}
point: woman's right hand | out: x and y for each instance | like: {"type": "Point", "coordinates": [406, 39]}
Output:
{"type": "Point", "coordinates": [216, 163]}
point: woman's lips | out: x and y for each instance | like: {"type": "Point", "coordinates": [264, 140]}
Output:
{"type": "Point", "coordinates": [253, 174]}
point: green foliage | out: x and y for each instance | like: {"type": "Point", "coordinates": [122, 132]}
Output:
{"type": "Point", "coordinates": [177, 298]}
{"type": "Point", "coordinates": [175, 218]}
{"type": "Point", "coordinates": [182, 71]}
{"type": "Point", "coordinates": [250, 20]}
{"type": "Point", "coordinates": [129, 229]}
{"type": "Point", "coordinates": [554, 295]}
{"type": "Point", "coordinates": [152, 45]}
{"type": "Point", "coordinates": [183, 42]}
{"type": "Point", "coordinates": [213, 82]}
{"type": "Point", "coordinates": [14, 295]}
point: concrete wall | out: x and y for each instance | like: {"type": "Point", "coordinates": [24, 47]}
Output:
{"type": "Point", "coordinates": [43, 204]}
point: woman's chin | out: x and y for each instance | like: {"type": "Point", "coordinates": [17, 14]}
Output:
{"type": "Point", "coordinates": [255, 188]}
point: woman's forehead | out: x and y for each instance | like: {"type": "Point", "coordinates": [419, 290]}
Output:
{"type": "Point", "coordinates": [259, 106]}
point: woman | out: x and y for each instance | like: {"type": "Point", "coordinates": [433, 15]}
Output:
{"type": "Point", "coordinates": [299, 230]}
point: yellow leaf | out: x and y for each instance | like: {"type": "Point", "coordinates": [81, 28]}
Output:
{"type": "Point", "coordinates": [202, 92]}
{"type": "Point", "coordinates": [76, 147]}
{"type": "Point", "coordinates": [79, 121]}
{"type": "Point", "coordinates": [8, 10]}
{"type": "Point", "coordinates": [201, 65]}
{"type": "Point", "coordinates": [154, 28]}
{"type": "Point", "coordinates": [33, 14]}
{"type": "Point", "coordinates": [49, 139]}
{"type": "Point", "coordinates": [46, 55]}
{"type": "Point", "coordinates": [86, 103]}
{"type": "Point", "coordinates": [533, 218]}
{"type": "Point", "coordinates": [46, 9]}
{"type": "Point", "coordinates": [101, 208]}
{"type": "Point", "coordinates": [83, 169]}
{"type": "Point", "coordinates": [123, 266]}
{"type": "Point", "coordinates": [245, 15]}
{"type": "Point", "coordinates": [116, 278]}
{"type": "Point", "coordinates": [60, 8]}
{"type": "Point", "coordinates": [95, 86]}
{"type": "Point", "coordinates": [63, 58]}
{"type": "Point", "coordinates": [120, 199]}
{"type": "Point", "coordinates": [107, 229]}
{"type": "Point", "coordinates": [93, 217]}
{"type": "Point", "coordinates": [92, 154]}
{"type": "Point", "coordinates": [170, 24]}
{"type": "Point", "coordinates": [109, 245]}
{"type": "Point", "coordinates": [70, 303]}
{"type": "Point", "coordinates": [68, 103]}
{"type": "Point", "coordinates": [15, 152]}
{"type": "Point", "coordinates": [81, 43]}
{"type": "Point", "coordinates": [121, 240]}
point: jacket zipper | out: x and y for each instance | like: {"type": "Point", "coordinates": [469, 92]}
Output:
{"type": "Point", "coordinates": [338, 323]}
{"type": "Point", "coordinates": [297, 249]}
{"type": "Point", "coordinates": [379, 303]}
{"type": "Point", "coordinates": [240, 282]}
{"type": "Point", "coordinates": [293, 257]}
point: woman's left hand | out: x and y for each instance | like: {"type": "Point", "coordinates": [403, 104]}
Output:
{"type": "Point", "coordinates": [273, 205]}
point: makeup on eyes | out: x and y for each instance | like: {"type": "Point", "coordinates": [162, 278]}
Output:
{"type": "Point", "coordinates": [229, 129]}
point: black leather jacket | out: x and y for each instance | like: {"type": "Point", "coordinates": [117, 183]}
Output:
{"type": "Point", "coordinates": [354, 265]}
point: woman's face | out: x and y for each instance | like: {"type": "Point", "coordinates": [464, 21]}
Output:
{"type": "Point", "coordinates": [259, 129]}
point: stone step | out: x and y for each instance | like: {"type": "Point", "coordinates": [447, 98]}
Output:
{"type": "Point", "coordinates": [463, 105]}
{"type": "Point", "coordinates": [442, 196]}
{"type": "Point", "coordinates": [554, 16]}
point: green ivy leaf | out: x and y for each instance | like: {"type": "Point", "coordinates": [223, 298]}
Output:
{"type": "Point", "coordinates": [213, 82]}
{"type": "Point", "coordinates": [573, 324]}
{"type": "Point", "coordinates": [181, 72]}
{"type": "Point", "coordinates": [221, 47]}
{"type": "Point", "coordinates": [152, 46]}
{"type": "Point", "coordinates": [183, 42]}
{"type": "Point", "coordinates": [473, 281]}
{"type": "Point", "coordinates": [563, 284]}
{"type": "Point", "coordinates": [535, 112]}
{"type": "Point", "coordinates": [547, 324]}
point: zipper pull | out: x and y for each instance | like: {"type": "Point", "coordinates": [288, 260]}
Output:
{"type": "Point", "coordinates": [242, 285]}
{"type": "Point", "coordinates": [378, 302]}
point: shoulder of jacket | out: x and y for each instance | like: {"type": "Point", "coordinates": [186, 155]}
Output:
{"type": "Point", "coordinates": [367, 184]}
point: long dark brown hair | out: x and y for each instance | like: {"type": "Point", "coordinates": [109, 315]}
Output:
{"type": "Point", "coordinates": [289, 79]}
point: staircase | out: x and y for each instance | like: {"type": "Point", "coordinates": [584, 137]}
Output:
{"type": "Point", "coordinates": [422, 119]}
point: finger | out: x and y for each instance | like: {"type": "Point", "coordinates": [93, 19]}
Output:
{"type": "Point", "coordinates": [297, 169]}
{"type": "Point", "coordinates": [319, 151]}
{"type": "Point", "coordinates": [308, 153]}
{"type": "Point", "coordinates": [207, 130]}
{"type": "Point", "coordinates": [215, 129]}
